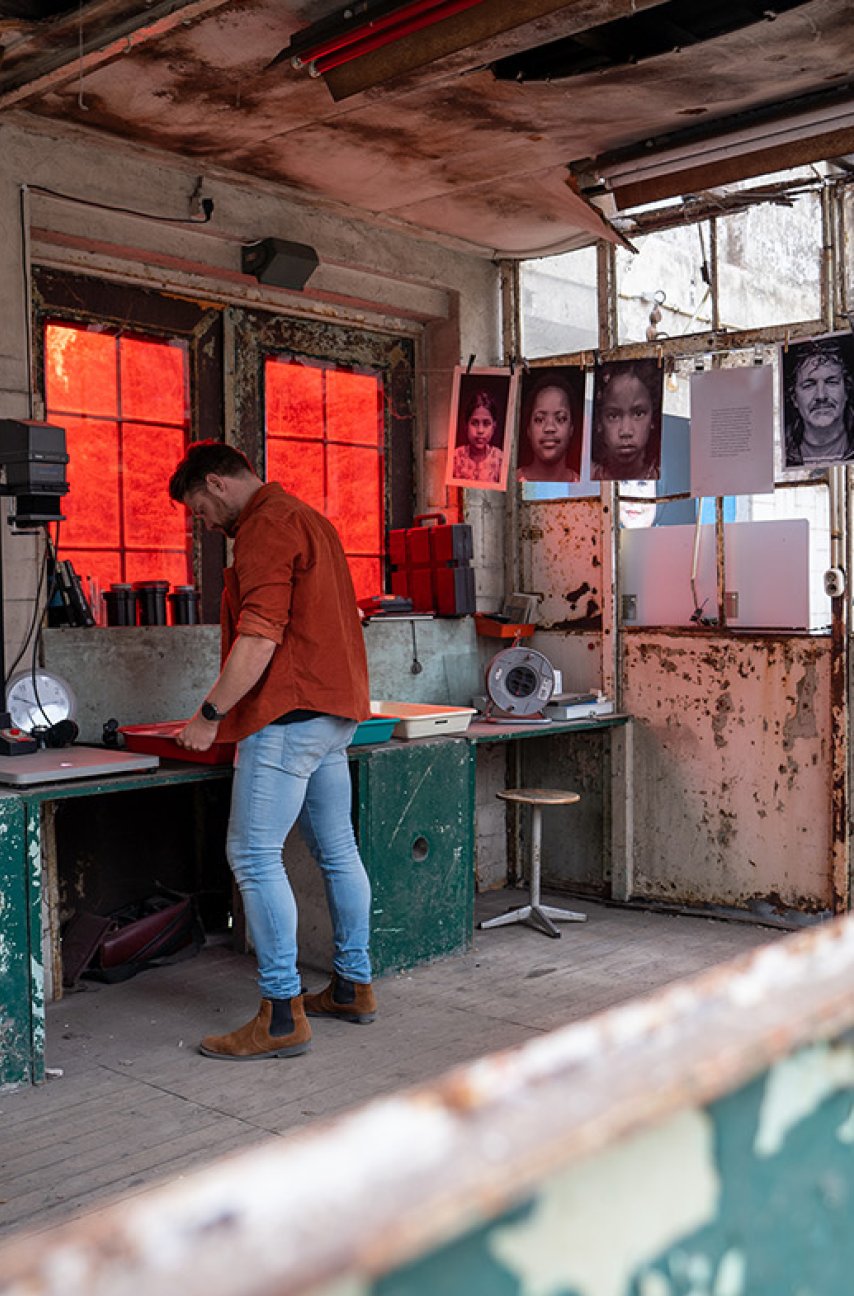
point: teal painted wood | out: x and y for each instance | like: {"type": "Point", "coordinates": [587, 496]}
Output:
{"type": "Point", "coordinates": [33, 840]}
{"type": "Point", "coordinates": [164, 776]}
{"type": "Point", "coordinates": [766, 1174]}
{"type": "Point", "coordinates": [21, 994]}
{"type": "Point", "coordinates": [415, 819]}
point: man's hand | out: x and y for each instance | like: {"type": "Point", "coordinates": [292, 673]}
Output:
{"type": "Point", "coordinates": [198, 734]}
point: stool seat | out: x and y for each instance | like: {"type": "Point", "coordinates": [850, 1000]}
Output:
{"type": "Point", "coordinates": [541, 917]}
{"type": "Point", "coordinates": [539, 796]}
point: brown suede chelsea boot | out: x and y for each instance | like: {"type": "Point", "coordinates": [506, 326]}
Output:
{"type": "Point", "coordinates": [351, 1001]}
{"type": "Point", "coordinates": [279, 1030]}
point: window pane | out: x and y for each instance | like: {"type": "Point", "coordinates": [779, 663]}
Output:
{"type": "Point", "coordinates": [149, 455]}
{"type": "Point", "coordinates": [666, 274]}
{"type": "Point", "coordinates": [299, 468]}
{"type": "Point", "coordinates": [560, 310]}
{"type": "Point", "coordinates": [353, 496]}
{"type": "Point", "coordinates": [103, 565]}
{"type": "Point", "coordinates": [80, 370]}
{"type": "Point", "coordinates": [153, 381]}
{"type": "Point", "coordinates": [810, 501]}
{"type": "Point", "coordinates": [294, 398]}
{"type": "Point", "coordinates": [118, 471]}
{"type": "Point", "coordinates": [367, 576]}
{"type": "Point", "coordinates": [91, 507]}
{"type": "Point", "coordinates": [155, 564]}
{"type": "Point", "coordinates": [353, 409]}
{"type": "Point", "coordinates": [769, 263]}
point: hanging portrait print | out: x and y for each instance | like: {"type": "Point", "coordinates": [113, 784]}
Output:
{"type": "Point", "coordinates": [479, 438]}
{"type": "Point", "coordinates": [817, 400]}
{"type": "Point", "coordinates": [626, 436]}
{"type": "Point", "coordinates": [551, 425]}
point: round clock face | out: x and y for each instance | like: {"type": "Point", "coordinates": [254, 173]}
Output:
{"type": "Point", "coordinates": [37, 706]}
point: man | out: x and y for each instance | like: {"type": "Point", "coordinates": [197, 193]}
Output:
{"type": "Point", "coordinates": [820, 406]}
{"type": "Point", "coordinates": [292, 688]}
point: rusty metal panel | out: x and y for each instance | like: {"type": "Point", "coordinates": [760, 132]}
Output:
{"type": "Point", "coordinates": [561, 545]}
{"type": "Point", "coordinates": [733, 765]}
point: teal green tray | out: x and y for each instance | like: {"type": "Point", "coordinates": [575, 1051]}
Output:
{"type": "Point", "coordinates": [377, 729]}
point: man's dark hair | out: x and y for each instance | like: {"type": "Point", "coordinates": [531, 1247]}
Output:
{"type": "Point", "coordinates": [205, 457]}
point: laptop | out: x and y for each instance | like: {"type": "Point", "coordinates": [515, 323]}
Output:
{"type": "Point", "coordinates": [55, 764]}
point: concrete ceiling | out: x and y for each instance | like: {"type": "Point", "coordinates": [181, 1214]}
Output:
{"type": "Point", "coordinates": [434, 140]}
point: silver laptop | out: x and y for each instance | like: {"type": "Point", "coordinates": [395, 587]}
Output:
{"type": "Point", "coordinates": [53, 764]}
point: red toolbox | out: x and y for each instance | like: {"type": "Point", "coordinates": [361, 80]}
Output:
{"type": "Point", "coordinates": [431, 565]}
{"type": "Point", "coordinates": [159, 740]}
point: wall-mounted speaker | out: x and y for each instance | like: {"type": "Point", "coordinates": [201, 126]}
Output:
{"type": "Point", "coordinates": [279, 262]}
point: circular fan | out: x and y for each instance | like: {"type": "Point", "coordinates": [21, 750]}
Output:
{"type": "Point", "coordinates": [520, 681]}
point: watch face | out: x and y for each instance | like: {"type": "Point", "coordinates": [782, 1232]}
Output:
{"type": "Point", "coordinates": [40, 704]}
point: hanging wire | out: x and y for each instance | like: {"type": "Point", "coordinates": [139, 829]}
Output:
{"type": "Point", "coordinates": [81, 102]}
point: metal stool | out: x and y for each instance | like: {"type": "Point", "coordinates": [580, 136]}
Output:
{"type": "Point", "coordinates": [537, 915]}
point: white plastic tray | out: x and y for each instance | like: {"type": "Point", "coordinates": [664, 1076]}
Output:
{"type": "Point", "coordinates": [420, 720]}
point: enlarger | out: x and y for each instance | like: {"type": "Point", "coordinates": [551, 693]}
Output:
{"type": "Point", "coordinates": [33, 461]}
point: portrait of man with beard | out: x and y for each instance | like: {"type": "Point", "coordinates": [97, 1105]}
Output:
{"type": "Point", "coordinates": [818, 401]}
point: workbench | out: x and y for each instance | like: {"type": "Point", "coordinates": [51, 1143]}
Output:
{"type": "Point", "coordinates": [414, 810]}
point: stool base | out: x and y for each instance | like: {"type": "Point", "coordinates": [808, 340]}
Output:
{"type": "Point", "coordinates": [537, 916]}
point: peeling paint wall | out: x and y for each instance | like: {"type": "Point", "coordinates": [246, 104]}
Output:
{"type": "Point", "coordinates": [561, 546]}
{"type": "Point", "coordinates": [21, 984]}
{"type": "Point", "coordinates": [732, 769]}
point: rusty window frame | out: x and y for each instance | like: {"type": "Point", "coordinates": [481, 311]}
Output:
{"type": "Point", "coordinates": [255, 335]}
{"type": "Point", "coordinates": [64, 296]}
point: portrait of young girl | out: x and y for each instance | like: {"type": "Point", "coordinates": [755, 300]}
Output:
{"type": "Point", "coordinates": [551, 423]}
{"type": "Point", "coordinates": [478, 447]}
{"type": "Point", "coordinates": [626, 441]}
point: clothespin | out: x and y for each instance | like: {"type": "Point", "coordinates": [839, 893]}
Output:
{"type": "Point", "coordinates": [699, 364]}
{"type": "Point", "coordinates": [786, 343]}
{"type": "Point", "coordinates": [757, 355]}
{"type": "Point", "coordinates": [660, 356]}
{"type": "Point", "coordinates": [512, 363]}
{"type": "Point", "coordinates": [471, 362]}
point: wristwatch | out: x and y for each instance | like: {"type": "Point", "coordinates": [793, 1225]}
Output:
{"type": "Point", "coordinates": [211, 712]}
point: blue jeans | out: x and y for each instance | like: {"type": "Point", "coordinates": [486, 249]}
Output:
{"type": "Point", "coordinates": [284, 773]}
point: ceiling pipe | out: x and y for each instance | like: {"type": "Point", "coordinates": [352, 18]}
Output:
{"type": "Point", "coordinates": [356, 32]}
{"type": "Point", "coordinates": [445, 9]}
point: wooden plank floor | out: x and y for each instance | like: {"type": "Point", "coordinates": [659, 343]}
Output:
{"type": "Point", "coordinates": [131, 1101]}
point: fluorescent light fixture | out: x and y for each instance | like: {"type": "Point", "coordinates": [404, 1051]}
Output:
{"type": "Point", "coordinates": [737, 149]}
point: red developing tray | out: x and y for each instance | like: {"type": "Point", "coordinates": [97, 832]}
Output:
{"type": "Point", "coordinates": [159, 740]}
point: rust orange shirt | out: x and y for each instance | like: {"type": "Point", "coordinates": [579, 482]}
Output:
{"type": "Point", "coordinates": [290, 582]}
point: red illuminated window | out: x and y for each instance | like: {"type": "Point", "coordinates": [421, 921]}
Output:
{"type": "Point", "coordinates": [326, 444]}
{"type": "Point", "coordinates": [124, 406]}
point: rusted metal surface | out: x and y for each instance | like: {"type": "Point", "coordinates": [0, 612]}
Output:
{"type": "Point", "coordinates": [562, 560]}
{"type": "Point", "coordinates": [447, 148]}
{"type": "Point", "coordinates": [404, 1174]}
{"type": "Point", "coordinates": [734, 770]}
